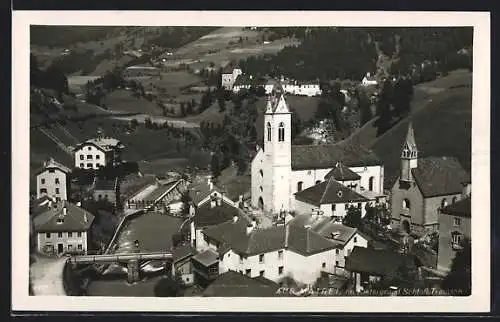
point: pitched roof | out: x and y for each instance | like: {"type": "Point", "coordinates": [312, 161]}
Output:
{"type": "Point", "coordinates": [76, 218]}
{"type": "Point", "coordinates": [233, 284]}
{"type": "Point", "coordinates": [276, 102]}
{"type": "Point", "coordinates": [101, 184]}
{"type": "Point", "coordinates": [376, 262]}
{"type": "Point", "coordinates": [410, 138]}
{"type": "Point", "coordinates": [461, 208]}
{"type": "Point", "coordinates": [305, 241]}
{"type": "Point", "coordinates": [159, 191]}
{"type": "Point", "coordinates": [207, 257]}
{"type": "Point", "coordinates": [233, 235]}
{"type": "Point", "coordinates": [439, 176]}
{"type": "Point", "coordinates": [342, 173]}
{"type": "Point", "coordinates": [53, 164]}
{"type": "Point", "coordinates": [208, 216]}
{"type": "Point", "coordinates": [183, 251]}
{"type": "Point", "coordinates": [200, 189]}
{"type": "Point", "coordinates": [329, 192]}
{"type": "Point", "coordinates": [325, 156]}
{"type": "Point", "coordinates": [104, 143]}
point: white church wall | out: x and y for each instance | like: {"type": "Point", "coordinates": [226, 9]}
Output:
{"type": "Point", "coordinates": [377, 172]}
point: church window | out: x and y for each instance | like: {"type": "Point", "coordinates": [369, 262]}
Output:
{"type": "Point", "coordinates": [261, 173]}
{"type": "Point", "coordinates": [370, 183]}
{"type": "Point", "coordinates": [260, 188]}
{"type": "Point", "coordinates": [269, 131]}
{"type": "Point", "coordinates": [406, 204]}
{"type": "Point", "coordinates": [281, 132]}
{"type": "Point", "coordinates": [299, 186]}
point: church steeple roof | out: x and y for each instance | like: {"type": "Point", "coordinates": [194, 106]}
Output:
{"type": "Point", "coordinates": [276, 102]}
{"type": "Point", "coordinates": [410, 146]}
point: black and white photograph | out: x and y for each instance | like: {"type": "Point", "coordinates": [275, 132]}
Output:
{"type": "Point", "coordinates": [272, 157]}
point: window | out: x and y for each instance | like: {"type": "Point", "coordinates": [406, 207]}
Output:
{"type": "Point", "coordinates": [89, 156]}
{"type": "Point", "coordinates": [70, 247]}
{"type": "Point", "coordinates": [281, 132]}
{"type": "Point", "coordinates": [80, 247]}
{"type": "Point", "coordinates": [261, 273]}
{"type": "Point", "coordinates": [269, 131]}
{"type": "Point", "coordinates": [333, 207]}
{"type": "Point", "coordinates": [79, 234]}
{"type": "Point", "coordinates": [105, 196]}
{"type": "Point", "coordinates": [359, 205]}
{"type": "Point", "coordinates": [57, 181]}
{"type": "Point", "coordinates": [43, 190]}
{"type": "Point", "coordinates": [70, 234]}
{"type": "Point", "coordinates": [280, 254]}
{"type": "Point", "coordinates": [323, 265]}
{"type": "Point", "coordinates": [280, 270]}
{"type": "Point", "coordinates": [60, 220]}
{"type": "Point", "coordinates": [97, 157]}
{"type": "Point", "coordinates": [59, 235]}
{"type": "Point", "coordinates": [47, 235]}
{"type": "Point", "coordinates": [89, 165]}
{"type": "Point", "coordinates": [370, 183]}
{"type": "Point", "coordinates": [81, 164]}
{"type": "Point", "coordinates": [309, 172]}
{"type": "Point", "coordinates": [260, 188]}
{"type": "Point", "coordinates": [52, 170]}
{"type": "Point", "coordinates": [43, 181]}
{"type": "Point", "coordinates": [81, 157]}
{"type": "Point", "coordinates": [241, 259]}
{"type": "Point", "coordinates": [318, 181]}
{"type": "Point", "coordinates": [337, 251]}
{"type": "Point", "coordinates": [261, 173]}
{"type": "Point", "coordinates": [261, 258]}
{"type": "Point", "coordinates": [355, 239]}
{"type": "Point", "coordinates": [248, 272]}
{"type": "Point", "coordinates": [57, 191]}
{"type": "Point", "coordinates": [406, 204]}
{"type": "Point", "coordinates": [299, 186]}
{"type": "Point", "coordinates": [456, 222]}
{"type": "Point", "coordinates": [99, 197]}
{"type": "Point", "coordinates": [336, 263]}
{"type": "Point", "coordinates": [456, 238]}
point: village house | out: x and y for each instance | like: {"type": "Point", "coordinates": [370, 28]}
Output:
{"type": "Point", "coordinates": [181, 263]}
{"type": "Point", "coordinates": [311, 88]}
{"type": "Point", "coordinates": [98, 152]}
{"type": "Point", "coordinates": [280, 169]}
{"type": "Point", "coordinates": [454, 227]}
{"type": "Point", "coordinates": [52, 180]}
{"type": "Point", "coordinates": [234, 284]}
{"type": "Point", "coordinates": [369, 80]}
{"type": "Point", "coordinates": [203, 191]}
{"type": "Point", "coordinates": [62, 228]}
{"type": "Point", "coordinates": [368, 266]}
{"type": "Point", "coordinates": [228, 77]}
{"type": "Point", "coordinates": [423, 188]}
{"type": "Point", "coordinates": [106, 190]}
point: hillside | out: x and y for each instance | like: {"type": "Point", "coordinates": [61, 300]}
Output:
{"type": "Point", "coordinates": [442, 124]}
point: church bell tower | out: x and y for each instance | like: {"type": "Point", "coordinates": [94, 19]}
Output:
{"type": "Point", "coordinates": [409, 156]}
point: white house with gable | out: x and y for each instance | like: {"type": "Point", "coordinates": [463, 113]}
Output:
{"type": "Point", "coordinates": [98, 152]}
{"type": "Point", "coordinates": [229, 77]}
{"type": "Point", "coordinates": [280, 169]}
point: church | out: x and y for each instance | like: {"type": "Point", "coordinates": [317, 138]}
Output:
{"type": "Point", "coordinates": [424, 187]}
{"type": "Point", "coordinates": [280, 170]}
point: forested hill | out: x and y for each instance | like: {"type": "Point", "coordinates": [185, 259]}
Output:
{"type": "Point", "coordinates": [330, 53]}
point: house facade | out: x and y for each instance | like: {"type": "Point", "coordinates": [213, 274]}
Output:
{"type": "Point", "coordinates": [63, 228]}
{"type": "Point", "coordinates": [279, 169]}
{"type": "Point", "coordinates": [229, 77]}
{"type": "Point", "coordinates": [454, 227]}
{"type": "Point", "coordinates": [423, 188]}
{"type": "Point", "coordinates": [106, 190]}
{"type": "Point", "coordinates": [98, 152]}
{"type": "Point", "coordinates": [182, 263]}
{"type": "Point", "coordinates": [369, 80]}
{"type": "Point", "coordinates": [52, 180]}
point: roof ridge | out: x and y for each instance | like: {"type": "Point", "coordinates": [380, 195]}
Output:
{"type": "Point", "coordinates": [326, 189]}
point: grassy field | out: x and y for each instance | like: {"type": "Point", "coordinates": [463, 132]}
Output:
{"type": "Point", "coordinates": [442, 128]}
{"type": "Point", "coordinates": [124, 101]}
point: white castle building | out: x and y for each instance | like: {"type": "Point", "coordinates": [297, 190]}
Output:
{"type": "Point", "coordinates": [280, 169]}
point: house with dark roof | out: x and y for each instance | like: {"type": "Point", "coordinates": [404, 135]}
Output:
{"type": "Point", "coordinates": [229, 76]}
{"type": "Point", "coordinates": [62, 228]}
{"type": "Point", "coordinates": [424, 187]}
{"type": "Point", "coordinates": [368, 266]}
{"type": "Point", "coordinates": [280, 169]}
{"type": "Point", "coordinates": [106, 190]}
{"type": "Point", "coordinates": [182, 263]}
{"type": "Point", "coordinates": [234, 284]}
{"type": "Point", "coordinates": [454, 228]}
{"type": "Point", "coordinates": [53, 180]}
{"type": "Point", "coordinates": [202, 191]}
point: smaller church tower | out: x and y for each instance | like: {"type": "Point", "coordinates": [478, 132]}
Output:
{"type": "Point", "coordinates": [409, 156]}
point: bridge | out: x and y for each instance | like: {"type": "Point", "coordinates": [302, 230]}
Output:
{"type": "Point", "coordinates": [131, 259]}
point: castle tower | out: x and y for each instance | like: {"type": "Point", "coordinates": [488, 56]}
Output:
{"type": "Point", "coordinates": [409, 156]}
{"type": "Point", "coordinates": [277, 152]}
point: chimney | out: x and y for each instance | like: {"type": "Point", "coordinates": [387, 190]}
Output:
{"type": "Point", "coordinates": [249, 229]}
{"type": "Point", "coordinates": [235, 218]}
